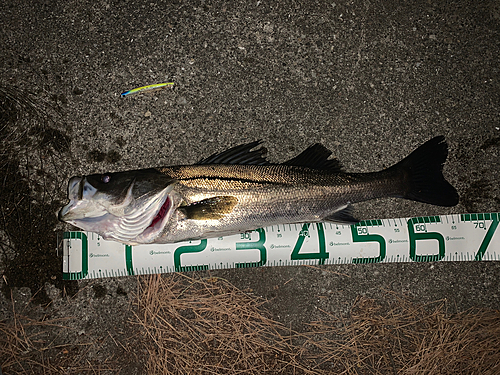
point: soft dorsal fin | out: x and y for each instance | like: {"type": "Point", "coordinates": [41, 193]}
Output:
{"type": "Point", "coordinates": [241, 154]}
{"type": "Point", "coordinates": [315, 157]}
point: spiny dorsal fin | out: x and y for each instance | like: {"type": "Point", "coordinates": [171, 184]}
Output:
{"type": "Point", "coordinates": [209, 209]}
{"type": "Point", "coordinates": [241, 154]}
{"type": "Point", "coordinates": [315, 157]}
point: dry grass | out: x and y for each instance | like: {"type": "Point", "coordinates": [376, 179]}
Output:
{"type": "Point", "coordinates": [208, 326]}
{"type": "Point", "coordinates": [33, 343]}
{"type": "Point", "coordinates": [405, 338]}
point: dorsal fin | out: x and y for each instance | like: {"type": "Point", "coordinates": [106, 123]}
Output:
{"type": "Point", "coordinates": [241, 154]}
{"type": "Point", "coordinates": [315, 157]}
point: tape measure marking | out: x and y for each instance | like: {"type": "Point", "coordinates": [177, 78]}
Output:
{"type": "Point", "coordinates": [465, 237]}
{"type": "Point", "coordinates": [67, 247]}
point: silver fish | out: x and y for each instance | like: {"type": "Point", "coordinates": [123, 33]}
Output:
{"type": "Point", "coordinates": [239, 190]}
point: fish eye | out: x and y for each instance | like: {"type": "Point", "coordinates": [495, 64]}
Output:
{"type": "Point", "coordinates": [105, 178]}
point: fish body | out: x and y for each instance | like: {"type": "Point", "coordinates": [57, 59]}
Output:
{"type": "Point", "coordinates": [239, 190]}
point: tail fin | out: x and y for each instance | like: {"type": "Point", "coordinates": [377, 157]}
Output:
{"type": "Point", "coordinates": [424, 167]}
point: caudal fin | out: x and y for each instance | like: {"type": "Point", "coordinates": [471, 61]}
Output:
{"type": "Point", "coordinates": [424, 167]}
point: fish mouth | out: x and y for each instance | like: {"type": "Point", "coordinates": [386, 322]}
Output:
{"type": "Point", "coordinates": [132, 221]}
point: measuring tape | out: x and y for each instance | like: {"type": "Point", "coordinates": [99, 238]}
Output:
{"type": "Point", "coordinates": [463, 237]}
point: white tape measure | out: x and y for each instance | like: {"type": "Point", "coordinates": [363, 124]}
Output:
{"type": "Point", "coordinates": [464, 237]}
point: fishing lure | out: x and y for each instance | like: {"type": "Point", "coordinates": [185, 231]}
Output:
{"type": "Point", "coordinates": [149, 88]}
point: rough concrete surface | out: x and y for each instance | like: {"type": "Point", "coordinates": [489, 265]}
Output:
{"type": "Point", "coordinates": [371, 80]}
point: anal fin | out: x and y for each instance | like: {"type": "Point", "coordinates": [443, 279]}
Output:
{"type": "Point", "coordinates": [212, 208]}
{"type": "Point", "coordinates": [343, 216]}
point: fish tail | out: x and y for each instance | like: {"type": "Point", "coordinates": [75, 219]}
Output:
{"type": "Point", "coordinates": [424, 170]}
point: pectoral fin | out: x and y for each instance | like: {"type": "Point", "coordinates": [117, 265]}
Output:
{"type": "Point", "coordinates": [209, 209]}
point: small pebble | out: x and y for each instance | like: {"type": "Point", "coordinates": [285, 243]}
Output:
{"type": "Point", "coordinates": [182, 100]}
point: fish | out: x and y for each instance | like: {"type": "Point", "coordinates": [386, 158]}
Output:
{"type": "Point", "coordinates": [148, 88]}
{"type": "Point", "coordinates": [239, 190]}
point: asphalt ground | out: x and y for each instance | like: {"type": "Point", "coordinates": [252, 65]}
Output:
{"type": "Point", "coordinates": [370, 80]}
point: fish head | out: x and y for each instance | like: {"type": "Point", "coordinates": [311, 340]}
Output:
{"type": "Point", "coordinates": [130, 207]}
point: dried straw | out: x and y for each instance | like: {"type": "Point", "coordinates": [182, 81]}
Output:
{"type": "Point", "coordinates": [208, 326]}
{"type": "Point", "coordinates": [193, 325]}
